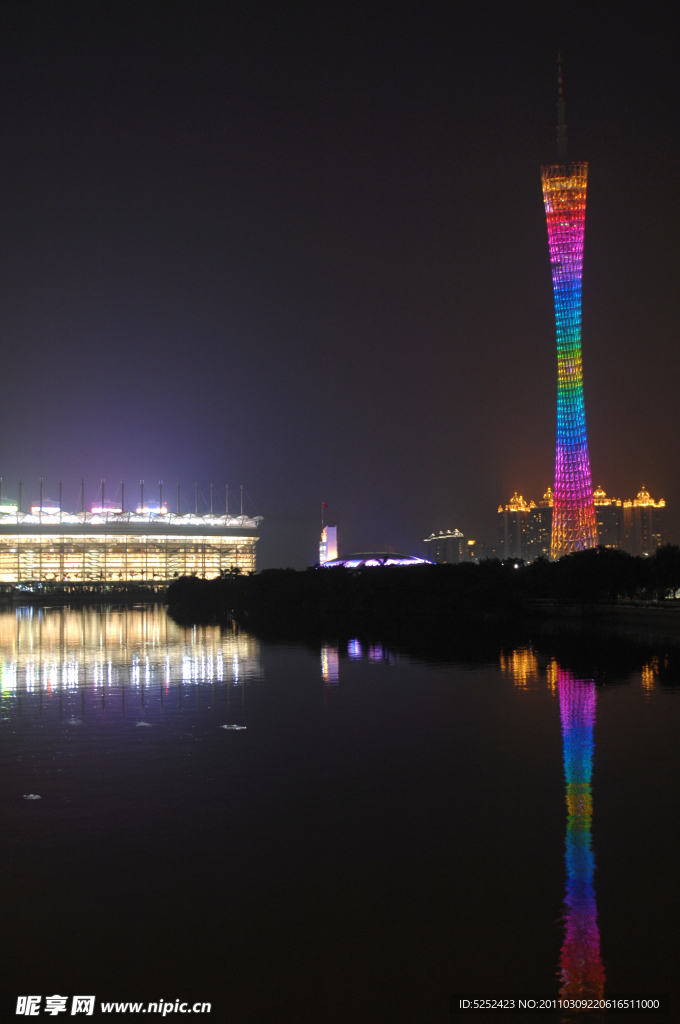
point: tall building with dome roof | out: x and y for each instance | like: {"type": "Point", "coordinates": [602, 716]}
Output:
{"type": "Point", "coordinates": [609, 516]}
{"type": "Point", "coordinates": [644, 524]}
{"type": "Point", "coordinates": [513, 527]}
{"type": "Point", "coordinates": [637, 525]}
{"type": "Point", "coordinates": [540, 526]}
{"type": "Point", "coordinates": [525, 527]}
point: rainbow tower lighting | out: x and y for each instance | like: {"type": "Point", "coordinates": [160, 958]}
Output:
{"type": "Point", "coordinates": [574, 527]}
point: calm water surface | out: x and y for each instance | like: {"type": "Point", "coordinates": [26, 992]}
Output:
{"type": "Point", "coordinates": [382, 834]}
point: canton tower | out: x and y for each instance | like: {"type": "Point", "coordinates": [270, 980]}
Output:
{"type": "Point", "coordinates": [574, 526]}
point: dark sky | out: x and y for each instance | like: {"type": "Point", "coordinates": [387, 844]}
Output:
{"type": "Point", "coordinates": [301, 247]}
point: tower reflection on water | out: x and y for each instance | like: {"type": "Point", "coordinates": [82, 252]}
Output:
{"type": "Point", "coordinates": [375, 654]}
{"type": "Point", "coordinates": [581, 970]}
{"type": "Point", "coordinates": [66, 649]}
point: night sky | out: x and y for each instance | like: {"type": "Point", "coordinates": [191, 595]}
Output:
{"type": "Point", "coordinates": [302, 247]}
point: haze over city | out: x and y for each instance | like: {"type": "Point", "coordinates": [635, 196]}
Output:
{"type": "Point", "coordinates": [304, 249]}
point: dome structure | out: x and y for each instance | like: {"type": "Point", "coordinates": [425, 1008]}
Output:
{"type": "Point", "coordinates": [375, 559]}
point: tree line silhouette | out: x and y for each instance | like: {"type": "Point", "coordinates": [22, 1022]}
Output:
{"type": "Point", "coordinates": [424, 593]}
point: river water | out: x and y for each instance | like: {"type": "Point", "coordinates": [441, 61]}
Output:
{"type": "Point", "coordinates": [382, 833]}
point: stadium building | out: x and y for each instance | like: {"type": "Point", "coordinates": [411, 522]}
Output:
{"type": "Point", "coordinates": [106, 544]}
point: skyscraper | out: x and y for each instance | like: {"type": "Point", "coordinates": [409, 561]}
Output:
{"type": "Point", "coordinates": [513, 527]}
{"type": "Point", "coordinates": [644, 522]}
{"type": "Point", "coordinates": [574, 526]}
{"type": "Point", "coordinates": [524, 527]}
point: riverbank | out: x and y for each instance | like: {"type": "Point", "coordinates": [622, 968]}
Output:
{"type": "Point", "coordinates": [659, 620]}
{"type": "Point", "coordinates": [81, 594]}
{"type": "Point", "coordinates": [612, 590]}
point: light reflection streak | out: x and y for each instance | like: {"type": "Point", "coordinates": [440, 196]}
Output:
{"type": "Point", "coordinates": [581, 970]}
{"type": "Point", "coordinates": [521, 666]}
{"type": "Point", "coordinates": [66, 648]}
{"type": "Point", "coordinates": [581, 973]}
{"type": "Point", "coordinates": [330, 665]}
{"type": "Point", "coordinates": [376, 653]}
{"type": "Point", "coordinates": [649, 674]}
{"type": "Point", "coordinates": [354, 650]}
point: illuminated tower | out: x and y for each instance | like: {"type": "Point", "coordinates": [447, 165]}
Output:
{"type": "Point", "coordinates": [581, 970]}
{"type": "Point", "coordinates": [574, 526]}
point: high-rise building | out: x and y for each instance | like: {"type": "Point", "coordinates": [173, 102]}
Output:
{"type": "Point", "coordinates": [609, 516]}
{"type": "Point", "coordinates": [540, 527]}
{"type": "Point", "coordinates": [525, 528]}
{"type": "Point", "coordinates": [513, 527]}
{"type": "Point", "coordinates": [564, 194]}
{"type": "Point", "coordinates": [637, 526]}
{"type": "Point", "coordinates": [644, 522]}
{"type": "Point", "coordinates": [446, 547]}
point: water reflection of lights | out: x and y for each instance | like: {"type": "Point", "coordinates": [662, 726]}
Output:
{"type": "Point", "coordinates": [330, 665]}
{"type": "Point", "coordinates": [61, 648]}
{"type": "Point", "coordinates": [581, 970]}
{"type": "Point", "coordinates": [330, 658]}
{"type": "Point", "coordinates": [649, 674]}
{"type": "Point", "coordinates": [354, 650]}
{"type": "Point", "coordinates": [552, 674]}
{"type": "Point", "coordinates": [520, 666]}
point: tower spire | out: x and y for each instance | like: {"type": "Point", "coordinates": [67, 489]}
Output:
{"type": "Point", "coordinates": [561, 126]}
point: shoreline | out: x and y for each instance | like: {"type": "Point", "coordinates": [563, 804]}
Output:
{"type": "Point", "coordinates": [84, 598]}
{"type": "Point", "coordinates": [441, 600]}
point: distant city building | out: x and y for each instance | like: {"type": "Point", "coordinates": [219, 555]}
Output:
{"type": "Point", "coordinates": [637, 526]}
{"type": "Point", "coordinates": [525, 528]}
{"type": "Point", "coordinates": [644, 524]}
{"type": "Point", "coordinates": [447, 547]}
{"type": "Point", "coordinates": [475, 551]}
{"type": "Point", "coordinates": [513, 527]}
{"type": "Point", "coordinates": [328, 548]}
{"type": "Point", "coordinates": [540, 527]}
{"type": "Point", "coordinates": [609, 516]}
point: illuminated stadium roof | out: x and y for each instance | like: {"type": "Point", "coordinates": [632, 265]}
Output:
{"type": "Point", "coordinates": [50, 545]}
{"type": "Point", "coordinates": [375, 558]}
